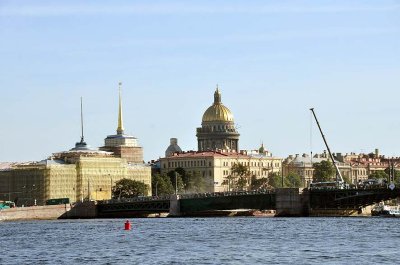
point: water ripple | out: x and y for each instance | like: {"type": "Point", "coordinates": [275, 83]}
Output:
{"type": "Point", "coordinates": [202, 241]}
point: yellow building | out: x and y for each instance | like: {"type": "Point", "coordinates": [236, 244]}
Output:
{"type": "Point", "coordinates": [79, 174]}
{"type": "Point", "coordinates": [215, 167]}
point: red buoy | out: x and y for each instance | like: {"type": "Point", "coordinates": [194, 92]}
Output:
{"type": "Point", "coordinates": [127, 225]}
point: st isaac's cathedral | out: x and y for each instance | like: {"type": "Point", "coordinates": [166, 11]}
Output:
{"type": "Point", "coordinates": [218, 151]}
{"type": "Point", "coordinates": [217, 131]}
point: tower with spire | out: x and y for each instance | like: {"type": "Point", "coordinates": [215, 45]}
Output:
{"type": "Point", "coordinates": [123, 145]}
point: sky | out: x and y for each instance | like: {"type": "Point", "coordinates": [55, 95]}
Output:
{"type": "Point", "coordinates": [272, 61]}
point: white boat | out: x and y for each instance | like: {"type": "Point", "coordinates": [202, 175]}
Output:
{"type": "Point", "coordinates": [388, 211]}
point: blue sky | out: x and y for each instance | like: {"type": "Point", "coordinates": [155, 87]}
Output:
{"type": "Point", "coordinates": [273, 60]}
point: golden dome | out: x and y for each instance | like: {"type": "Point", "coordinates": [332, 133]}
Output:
{"type": "Point", "coordinates": [217, 112]}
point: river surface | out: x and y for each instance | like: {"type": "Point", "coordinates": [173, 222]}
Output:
{"type": "Point", "coordinates": [224, 240]}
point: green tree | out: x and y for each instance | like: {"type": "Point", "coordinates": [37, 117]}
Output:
{"type": "Point", "coordinates": [182, 172]}
{"type": "Point", "coordinates": [176, 180]}
{"type": "Point", "coordinates": [194, 182]}
{"type": "Point", "coordinates": [347, 180]}
{"type": "Point", "coordinates": [257, 184]}
{"type": "Point", "coordinates": [323, 171]}
{"type": "Point", "coordinates": [128, 188]}
{"type": "Point", "coordinates": [242, 173]}
{"type": "Point", "coordinates": [161, 185]}
{"type": "Point", "coordinates": [293, 180]}
{"type": "Point", "coordinates": [230, 181]}
{"type": "Point", "coordinates": [396, 177]}
{"type": "Point", "coordinates": [379, 174]}
{"type": "Point", "coordinates": [275, 180]}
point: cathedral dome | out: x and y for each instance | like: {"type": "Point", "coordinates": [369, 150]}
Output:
{"type": "Point", "coordinates": [217, 112]}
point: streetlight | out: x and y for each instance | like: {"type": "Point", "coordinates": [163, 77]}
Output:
{"type": "Point", "coordinates": [33, 189]}
{"type": "Point", "coordinates": [176, 183]}
{"type": "Point", "coordinates": [156, 187]}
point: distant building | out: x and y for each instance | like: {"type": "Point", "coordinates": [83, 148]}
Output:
{"type": "Point", "coordinates": [218, 151]}
{"type": "Point", "coordinates": [355, 167]}
{"type": "Point", "coordinates": [364, 165]}
{"type": "Point", "coordinates": [79, 174]}
{"type": "Point", "coordinates": [215, 167]}
{"type": "Point", "coordinates": [303, 166]}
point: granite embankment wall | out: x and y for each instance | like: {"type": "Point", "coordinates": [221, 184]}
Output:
{"type": "Point", "coordinates": [34, 212]}
{"type": "Point", "coordinates": [49, 212]}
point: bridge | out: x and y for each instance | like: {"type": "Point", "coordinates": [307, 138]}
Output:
{"type": "Point", "coordinates": [286, 202]}
{"type": "Point", "coordinates": [350, 198]}
{"type": "Point", "coordinates": [189, 204]}
{"type": "Point", "coordinates": [133, 207]}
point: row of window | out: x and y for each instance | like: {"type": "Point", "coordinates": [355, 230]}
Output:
{"type": "Point", "coordinates": [200, 163]}
{"type": "Point", "coordinates": [195, 163]}
{"type": "Point", "coordinates": [252, 173]}
{"type": "Point", "coordinates": [220, 127]}
{"type": "Point", "coordinates": [255, 164]}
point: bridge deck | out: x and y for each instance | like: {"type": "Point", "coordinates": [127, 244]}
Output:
{"type": "Point", "coordinates": [350, 198]}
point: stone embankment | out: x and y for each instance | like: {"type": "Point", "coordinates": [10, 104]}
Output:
{"type": "Point", "coordinates": [50, 212]}
{"type": "Point", "coordinates": [47, 212]}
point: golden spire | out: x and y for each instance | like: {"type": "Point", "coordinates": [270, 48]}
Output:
{"type": "Point", "coordinates": [120, 129]}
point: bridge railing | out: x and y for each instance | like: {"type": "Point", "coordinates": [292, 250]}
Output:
{"type": "Point", "coordinates": [185, 196]}
{"type": "Point", "coordinates": [223, 194]}
{"type": "Point", "coordinates": [136, 199]}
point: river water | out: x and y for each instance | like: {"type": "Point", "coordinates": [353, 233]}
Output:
{"type": "Point", "coordinates": [224, 240]}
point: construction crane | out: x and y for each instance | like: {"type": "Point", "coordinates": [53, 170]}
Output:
{"type": "Point", "coordinates": [339, 178]}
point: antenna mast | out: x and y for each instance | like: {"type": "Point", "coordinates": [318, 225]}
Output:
{"type": "Point", "coordinates": [339, 178]}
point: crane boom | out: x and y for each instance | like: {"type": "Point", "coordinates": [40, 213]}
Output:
{"type": "Point", "coordinates": [339, 178]}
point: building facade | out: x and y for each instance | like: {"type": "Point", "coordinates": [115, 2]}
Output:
{"type": "Point", "coordinates": [215, 167]}
{"type": "Point", "coordinates": [354, 167]}
{"type": "Point", "coordinates": [303, 166]}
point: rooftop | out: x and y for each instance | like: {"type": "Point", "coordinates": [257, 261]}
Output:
{"type": "Point", "coordinates": [221, 154]}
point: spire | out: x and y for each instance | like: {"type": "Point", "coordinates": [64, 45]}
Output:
{"type": "Point", "coordinates": [217, 96]}
{"type": "Point", "coordinates": [81, 145]}
{"type": "Point", "coordinates": [120, 129]}
{"type": "Point", "coordinates": [82, 137]}
{"type": "Point", "coordinates": [261, 150]}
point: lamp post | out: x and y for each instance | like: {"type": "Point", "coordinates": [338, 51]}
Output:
{"type": "Point", "coordinates": [156, 187]}
{"type": "Point", "coordinates": [176, 183]}
{"type": "Point", "coordinates": [33, 189]}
